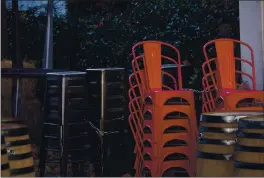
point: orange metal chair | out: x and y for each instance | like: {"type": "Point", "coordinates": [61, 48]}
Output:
{"type": "Point", "coordinates": [183, 145]}
{"type": "Point", "coordinates": [141, 105]}
{"type": "Point", "coordinates": [136, 119]}
{"type": "Point", "coordinates": [179, 164]}
{"type": "Point", "coordinates": [159, 164]}
{"type": "Point", "coordinates": [170, 128]}
{"type": "Point", "coordinates": [156, 149]}
{"type": "Point", "coordinates": [220, 75]}
{"type": "Point", "coordinates": [139, 156]}
{"type": "Point", "coordinates": [148, 77]}
{"type": "Point", "coordinates": [151, 78]}
{"type": "Point", "coordinates": [165, 102]}
{"type": "Point", "coordinates": [152, 50]}
{"type": "Point", "coordinates": [135, 122]}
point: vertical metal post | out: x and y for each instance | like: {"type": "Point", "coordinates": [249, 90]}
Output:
{"type": "Point", "coordinates": [64, 127]}
{"type": "Point", "coordinates": [16, 95]}
{"type": "Point", "coordinates": [103, 114]}
{"type": "Point", "coordinates": [47, 62]}
{"type": "Point", "coordinates": [16, 60]}
{"type": "Point", "coordinates": [4, 32]}
{"type": "Point", "coordinates": [103, 99]}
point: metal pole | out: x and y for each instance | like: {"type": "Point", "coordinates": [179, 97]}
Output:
{"type": "Point", "coordinates": [47, 62]}
{"type": "Point", "coordinates": [16, 60]}
{"type": "Point", "coordinates": [4, 32]}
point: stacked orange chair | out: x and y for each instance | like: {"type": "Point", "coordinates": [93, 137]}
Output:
{"type": "Point", "coordinates": [162, 118]}
{"type": "Point", "coordinates": [223, 90]}
{"type": "Point", "coordinates": [136, 121]}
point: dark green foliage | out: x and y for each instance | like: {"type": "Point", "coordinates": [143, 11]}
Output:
{"type": "Point", "coordinates": [102, 36]}
{"type": "Point", "coordinates": [185, 24]}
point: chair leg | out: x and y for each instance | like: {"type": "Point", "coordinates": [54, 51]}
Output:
{"type": "Point", "coordinates": [75, 169]}
{"type": "Point", "coordinates": [42, 159]}
{"type": "Point", "coordinates": [64, 164]}
{"type": "Point", "coordinates": [81, 170]}
{"type": "Point", "coordinates": [78, 169]}
{"type": "Point", "coordinates": [65, 153]}
{"type": "Point", "coordinates": [97, 169]}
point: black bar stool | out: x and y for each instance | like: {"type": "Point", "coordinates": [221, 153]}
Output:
{"type": "Point", "coordinates": [108, 111]}
{"type": "Point", "coordinates": [65, 126]}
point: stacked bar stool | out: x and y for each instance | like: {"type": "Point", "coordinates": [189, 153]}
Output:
{"type": "Point", "coordinates": [249, 156]}
{"type": "Point", "coordinates": [66, 129]}
{"type": "Point", "coordinates": [216, 143]}
{"type": "Point", "coordinates": [169, 123]}
{"type": "Point", "coordinates": [5, 171]}
{"type": "Point", "coordinates": [107, 108]}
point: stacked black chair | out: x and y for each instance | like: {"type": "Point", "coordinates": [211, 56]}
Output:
{"type": "Point", "coordinates": [108, 112]}
{"type": "Point", "coordinates": [66, 129]}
